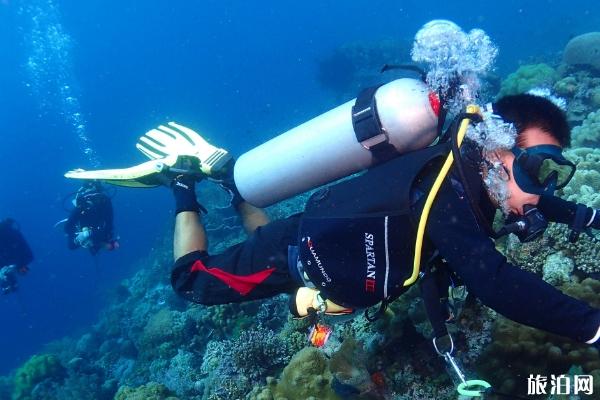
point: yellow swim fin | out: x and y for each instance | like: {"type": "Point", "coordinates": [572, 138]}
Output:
{"type": "Point", "coordinates": [145, 175]}
{"type": "Point", "coordinates": [174, 139]}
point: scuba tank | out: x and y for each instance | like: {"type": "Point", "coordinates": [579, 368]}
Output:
{"type": "Point", "coordinates": [381, 123]}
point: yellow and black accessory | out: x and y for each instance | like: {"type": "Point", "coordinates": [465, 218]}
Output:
{"type": "Point", "coordinates": [310, 303]}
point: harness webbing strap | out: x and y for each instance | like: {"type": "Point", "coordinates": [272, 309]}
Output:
{"type": "Point", "coordinates": [431, 297]}
{"type": "Point", "coordinates": [367, 126]}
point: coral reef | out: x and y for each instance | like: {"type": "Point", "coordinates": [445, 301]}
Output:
{"type": "Point", "coordinates": [583, 50]}
{"type": "Point", "coordinates": [581, 89]}
{"type": "Point", "coordinates": [6, 387]}
{"type": "Point", "coordinates": [307, 376]}
{"type": "Point", "coordinates": [181, 373]}
{"type": "Point", "coordinates": [37, 369]}
{"type": "Point", "coordinates": [150, 391]}
{"type": "Point", "coordinates": [528, 77]}
{"type": "Point", "coordinates": [586, 182]}
{"type": "Point", "coordinates": [588, 133]}
{"type": "Point", "coordinates": [349, 369]}
{"type": "Point", "coordinates": [244, 361]}
{"type": "Point", "coordinates": [164, 329]}
{"type": "Point", "coordinates": [557, 269]}
{"type": "Point", "coordinates": [413, 387]}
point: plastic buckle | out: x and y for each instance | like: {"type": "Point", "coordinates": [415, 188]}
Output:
{"type": "Point", "coordinates": [373, 142]}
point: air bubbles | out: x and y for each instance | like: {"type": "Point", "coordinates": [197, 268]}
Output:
{"type": "Point", "coordinates": [456, 59]}
{"type": "Point", "coordinates": [49, 66]}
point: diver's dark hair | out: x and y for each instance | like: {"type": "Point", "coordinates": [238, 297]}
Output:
{"type": "Point", "coordinates": [527, 111]}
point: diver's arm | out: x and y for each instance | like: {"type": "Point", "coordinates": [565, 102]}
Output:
{"type": "Point", "coordinates": [564, 211]}
{"type": "Point", "coordinates": [252, 217]}
{"type": "Point", "coordinates": [189, 234]}
{"type": "Point", "coordinates": [513, 292]}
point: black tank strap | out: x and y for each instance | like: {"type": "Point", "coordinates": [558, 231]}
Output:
{"type": "Point", "coordinates": [367, 126]}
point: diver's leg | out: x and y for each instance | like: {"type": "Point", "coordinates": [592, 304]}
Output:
{"type": "Point", "coordinates": [254, 269]}
{"type": "Point", "coordinates": [189, 234]}
{"type": "Point", "coordinates": [252, 217]}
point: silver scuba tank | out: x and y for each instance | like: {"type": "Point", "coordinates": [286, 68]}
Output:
{"type": "Point", "coordinates": [340, 142]}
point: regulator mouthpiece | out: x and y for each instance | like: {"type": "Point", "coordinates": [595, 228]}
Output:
{"type": "Point", "coordinates": [528, 227]}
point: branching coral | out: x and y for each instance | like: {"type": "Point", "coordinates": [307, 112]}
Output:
{"type": "Point", "coordinates": [181, 373]}
{"type": "Point", "coordinates": [557, 269]}
{"type": "Point", "coordinates": [253, 354]}
{"type": "Point", "coordinates": [588, 134]}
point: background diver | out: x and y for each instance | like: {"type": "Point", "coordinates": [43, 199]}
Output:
{"type": "Point", "coordinates": [352, 246]}
{"type": "Point", "coordinates": [90, 222]}
{"type": "Point", "coordinates": [15, 255]}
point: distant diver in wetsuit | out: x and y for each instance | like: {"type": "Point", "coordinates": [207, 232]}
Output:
{"type": "Point", "coordinates": [90, 223]}
{"type": "Point", "coordinates": [15, 255]}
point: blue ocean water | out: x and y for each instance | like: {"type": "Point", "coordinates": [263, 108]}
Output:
{"type": "Point", "coordinates": [240, 72]}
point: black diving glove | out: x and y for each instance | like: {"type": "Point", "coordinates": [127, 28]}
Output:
{"type": "Point", "coordinates": [184, 190]}
{"type": "Point", "coordinates": [182, 178]}
{"type": "Point", "coordinates": [577, 216]}
{"type": "Point", "coordinates": [224, 178]}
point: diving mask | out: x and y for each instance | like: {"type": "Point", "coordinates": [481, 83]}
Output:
{"type": "Point", "coordinates": [541, 169]}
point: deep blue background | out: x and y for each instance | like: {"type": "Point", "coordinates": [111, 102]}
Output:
{"type": "Point", "coordinates": [238, 71]}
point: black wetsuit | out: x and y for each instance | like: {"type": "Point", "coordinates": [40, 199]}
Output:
{"type": "Point", "coordinates": [15, 255]}
{"type": "Point", "coordinates": [14, 249]}
{"type": "Point", "coordinates": [357, 254]}
{"type": "Point", "coordinates": [93, 210]}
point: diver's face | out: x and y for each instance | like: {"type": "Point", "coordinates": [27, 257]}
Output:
{"type": "Point", "coordinates": [517, 198]}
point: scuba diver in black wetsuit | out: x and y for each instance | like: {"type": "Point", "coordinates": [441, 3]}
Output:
{"type": "Point", "coordinates": [15, 255]}
{"type": "Point", "coordinates": [353, 246]}
{"type": "Point", "coordinates": [90, 222]}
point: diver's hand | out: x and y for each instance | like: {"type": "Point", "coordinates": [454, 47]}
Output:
{"type": "Point", "coordinates": [83, 238]}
